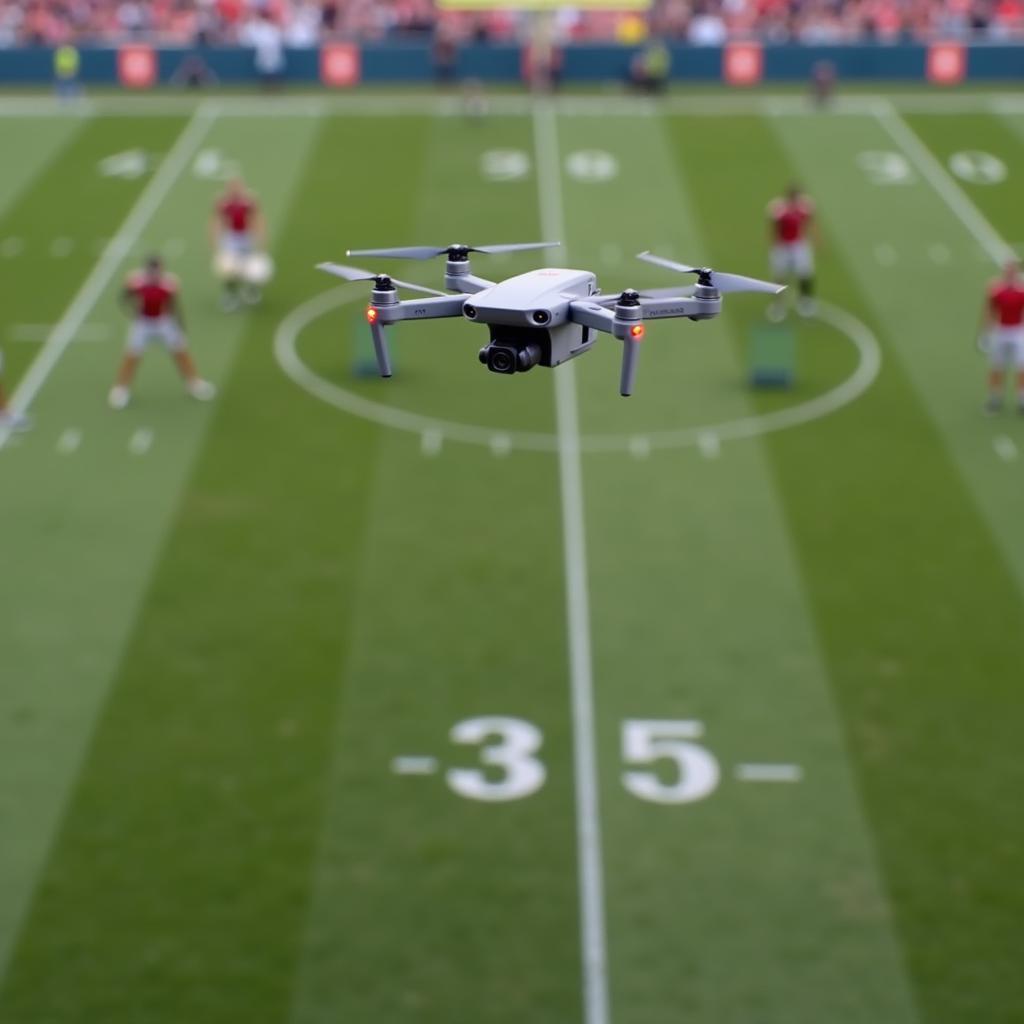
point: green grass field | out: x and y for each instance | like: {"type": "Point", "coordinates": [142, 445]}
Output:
{"type": "Point", "coordinates": [467, 699]}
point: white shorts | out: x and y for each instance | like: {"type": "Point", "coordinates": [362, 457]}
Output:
{"type": "Point", "coordinates": [1006, 347]}
{"type": "Point", "coordinates": [792, 259]}
{"type": "Point", "coordinates": [236, 243]}
{"type": "Point", "coordinates": [162, 328]}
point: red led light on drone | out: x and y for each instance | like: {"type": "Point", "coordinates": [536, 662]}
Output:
{"type": "Point", "coordinates": [371, 314]}
{"type": "Point", "coordinates": [637, 331]}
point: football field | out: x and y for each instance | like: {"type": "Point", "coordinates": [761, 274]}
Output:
{"type": "Point", "coordinates": [461, 698]}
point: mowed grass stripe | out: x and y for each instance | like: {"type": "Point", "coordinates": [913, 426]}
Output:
{"type": "Point", "coordinates": [37, 143]}
{"type": "Point", "coordinates": [734, 905]}
{"type": "Point", "coordinates": [63, 220]}
{"type": "Point", "coordinates": [85, 531]}
{"type": "Point", "coordinates": [429, 905]}
{"type": "Point", "coordinates": [913, 595]}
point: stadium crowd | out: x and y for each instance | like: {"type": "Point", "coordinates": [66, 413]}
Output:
{"type": "Point", "coordinates": [308, 22]}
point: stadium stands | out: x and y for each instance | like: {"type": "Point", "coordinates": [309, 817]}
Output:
{"type": "Point", "coordinates": [310, 22]}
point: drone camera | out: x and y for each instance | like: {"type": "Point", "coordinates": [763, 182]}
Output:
{"type": "Point", "coordinates": [511, 358]}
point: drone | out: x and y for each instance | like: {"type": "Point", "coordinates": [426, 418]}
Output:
{"type": "Point", "coordinates": [544, 317]}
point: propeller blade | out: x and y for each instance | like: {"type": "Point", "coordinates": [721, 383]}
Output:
{"type": "Point", "coordinates": [514, 247]}
{"type": "Point", "coordinates": [739, 283]}
{"type": "Point", "coordinates": [426, 252]}
{"type": "Point", "coordinates": [648, 257]}
{"type": "Point", "coordinates": [722, 282]}
{"type": "Point", "coordinates": [682, 292]}
{"type": "Point", "coordinates": [407, 252]}
{"type": "Point", "coordinates": [355, 274]}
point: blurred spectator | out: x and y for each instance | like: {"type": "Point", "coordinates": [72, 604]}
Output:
{"type": "Point", "coordinates": [303, 23]}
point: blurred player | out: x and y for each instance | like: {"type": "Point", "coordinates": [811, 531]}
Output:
{"type": "Point", "coordinates": [1002, 334]}
{"type": "Point", "coordinates": [152, 298]}
{"type": "Point", "coordinates": [792, 230]}
{"type": "Point", "coordinates": [238, 237]}
{"type": "Point", "coordinates": [9, 420]}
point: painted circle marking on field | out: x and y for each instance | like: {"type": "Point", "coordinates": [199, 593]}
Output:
{"type": "Point", "coordinates": [592, 165]}
{"type": "Point", "coordinates": [501, 441]}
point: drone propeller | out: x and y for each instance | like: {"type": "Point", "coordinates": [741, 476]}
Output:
{"type": "Point", "coordinates": [455, 251]}
{"type": "Point", "coordinates": [355, 274]}
{"type": "Point", "coordinates": [713, 279]}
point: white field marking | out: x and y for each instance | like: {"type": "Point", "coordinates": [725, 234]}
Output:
{"type": "Point", "coordinates": [940, 179]}
{"type": "Point", "coordinates": [847, 391]}
{"type": "Point", "coordinates": [11, 247]}
{"type": "Point", "coordinates": [1005, 447]}
{"type": "Point", "coordinates": [60, 248]}
{"type": "Point", "coordinates": [414, 765]}
{"type": "Point", "coordinates": [885, 254]}
{"type": "Point", "coordinates": [36, 333]}
{"type": "Point", "coordinates": [769, 773]}
{"type": "Point", "coordinates": [639, 447]}
{"type": "Point", "coordinates": [431, 441]}
{"type": "Point", "coordinates": [68, 442]}
{"type": "Point", "coordinates": [114, 254]}
{"type": "Point", "coordinates": [141, 441]}
{"type": "Point", "coordinates": [594, 945]}
{"type": "Point", "coordinates": [501, 444]}
{"type": "Point", "coordinates": [708, 444]}
{"type": "Point", "coordinates": [939, 253]}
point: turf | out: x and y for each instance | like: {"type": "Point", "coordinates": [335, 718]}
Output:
{"type": "Point", "coordinates": [216, 642]}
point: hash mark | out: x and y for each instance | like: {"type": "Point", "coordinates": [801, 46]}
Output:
{"type": "Point", "coordinates": [414, 765]}
{"type": "Point", "coordinates": [501, 444]}
{"type": "Point", "coordinates": [709, 444]}
{"type": "Point", "coordinates": [68, 442]}
{"type": "Point", "coordinates": [1005, 447]}
{"type": "Point", "coordinates": [639, 447]}
{"type": "Point", "coordinates": [431, 441]}
{"type": "Point", "coordinates": [769, 772]}
{"type": "Point", "coordinates": [141, 441]}
{"type": "Point", "coordinates": [60, 248]}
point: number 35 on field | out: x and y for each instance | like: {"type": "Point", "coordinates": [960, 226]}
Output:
{"type": "Point", "coordinates": [662, 762]}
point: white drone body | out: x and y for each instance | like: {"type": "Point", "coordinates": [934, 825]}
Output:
{"type": "Point", "coordinates": [543, 317]}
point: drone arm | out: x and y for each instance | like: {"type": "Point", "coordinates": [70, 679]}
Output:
{"type": "Point", "coordinates": [690, 306]}
{"type": "Point", "coordinates": [466, 283]}
{"type": "Point", "coordinates": [590, 314]}
{"type": "Point", "coordinates": [430, 308]}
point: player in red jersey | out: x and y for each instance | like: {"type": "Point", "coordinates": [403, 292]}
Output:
{"type": "Point", "coordinates": [1002, 329]}
{"type": "Point", "coordinates": [793, 232]}
{"type": "Point", "coordinates": [238, 238]}
{"type": "Point", "coordinates": [152, 298]}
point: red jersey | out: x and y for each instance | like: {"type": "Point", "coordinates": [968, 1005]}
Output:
{"type": "Point", "coordinates": [790, 219]}
{"type": "Point", "coordinates": [236, 212]}
{"type": "Point", "coordinates": [1006, 301]}
{"type": "Point", "coordinates": [153, 296]}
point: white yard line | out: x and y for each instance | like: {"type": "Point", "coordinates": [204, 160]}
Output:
{"type": "Point", "coordinates": [113, 256]}
{"type": "Point", "coordinates": [941, 180]}
{"type": "Point", "coordinates": [588, 821]}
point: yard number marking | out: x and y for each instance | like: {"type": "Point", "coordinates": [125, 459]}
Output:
{"type": "Point", "coordinates": [513, 753]}
{"type": "Point", "coordinates": [504, 164]}
{"type": "Point", "coordinates": [977, 167]}
{"type": "Point", "coordinates": [885, 167]}
{"type": "Point", "coordinates": [591, 165]}
{"type": "Point", "coordinates": [212, 165]}
{"type": "Point", "coordinates": [510, 748]}
{"type": "Point", "coordinates": [645, 741]}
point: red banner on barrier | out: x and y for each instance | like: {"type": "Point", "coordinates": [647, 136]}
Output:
{"type": "Point", "coordinates": [340, 65]}
{"type": "Point", "coordinates": [947, 63]}
{"type": "Point", "coordinates": [137, 66]}
{"type": "Point", "coordinates": [743, 63]}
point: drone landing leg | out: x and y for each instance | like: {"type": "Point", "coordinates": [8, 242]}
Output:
{"type": "Point", "coordinates": [630, 353]}
{"type": "Point", "coordinates": [380, 347]}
